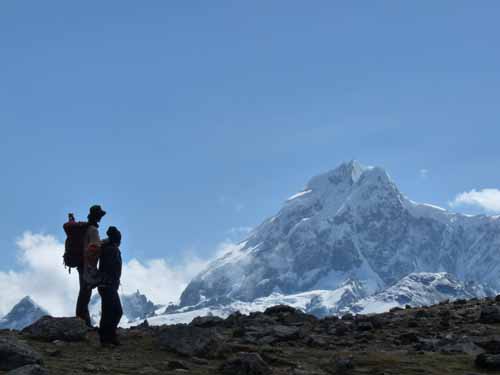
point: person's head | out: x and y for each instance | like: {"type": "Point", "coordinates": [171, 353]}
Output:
{"type": "Point", "coordinates": [114, 235]}
{"type": "Point", "coordinates": [96, 213]}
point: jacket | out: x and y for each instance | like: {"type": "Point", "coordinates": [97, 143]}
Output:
{"type": "Point", "coordinates": [110, 264]}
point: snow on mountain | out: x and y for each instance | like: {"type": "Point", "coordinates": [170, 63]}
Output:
{"type": "Point", "coordinates": [416, 289]}
{"type": "Point", "coordinates": [419, 289]}
{"type": "Point", "coordinates": [136, 307]}
{"type": "Point", "coordinates": [349, 225]}
{"type": "Point", "coordinates": [22, 315]}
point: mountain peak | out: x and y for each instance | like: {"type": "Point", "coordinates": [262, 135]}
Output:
{"type": "Point", "coordinates": [25, 312]}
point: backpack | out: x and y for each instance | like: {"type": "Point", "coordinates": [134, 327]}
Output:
{"type": "Point", "coordinates": [73, 246]}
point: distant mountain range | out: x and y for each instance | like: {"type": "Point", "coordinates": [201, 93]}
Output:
{"type": "Point", "coordinates": [136, 307]}
{"type": "Point", "coordinates": [350, 241]}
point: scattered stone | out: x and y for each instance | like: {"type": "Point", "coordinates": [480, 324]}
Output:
{"type": "Point", "coordinates": [199, 361]}
{"type": "Point", "coordinates": [344, 364]}
{"type": "Point", "coordinates": [148, 371]}
{"type": "Point", "coordinates": [348, 317]}
{"type": "Point", "coordinates": [192, 341]}
{"type": "Point", "coordinates": [53, 352]}
{"type": "Point", "coordinates": [175, 365]}
{"type": "Point", "coordinates": [490, 314]}
{"type": "Point", "coordinates": [364, 326]}
{"type": "Point", "coordinates": [14, 354]}
{"type": "Point", "coordinates": [29, 370]}
{"type": "Point", "coordinates": [408, 338]}
{"type": "Point", "coordinates": [488, 361]}
{"type": "Point", "coordinates": [207, 321]}
{"type": "Point", "coordinates": [50, 329]}
{"type": "Point", "coordinates": [246, 364]}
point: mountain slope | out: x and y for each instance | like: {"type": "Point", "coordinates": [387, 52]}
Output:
{"type": "Point", "coordinates": [22, 315]}
{"type": "Point", "coordinates": [351, 223]}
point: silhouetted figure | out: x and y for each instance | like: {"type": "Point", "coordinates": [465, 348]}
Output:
{"type": "Point", "coordinates": [96, 213]}
{"type": "Point", "coordinates": [110, 270]}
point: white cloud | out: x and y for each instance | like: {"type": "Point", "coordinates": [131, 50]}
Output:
{"type": "Point", "coordinates": [424, 173]}
{"type": "Point", "coordinates": [43, 276]}
{"type": "Point", "coordinates": [486, 199]}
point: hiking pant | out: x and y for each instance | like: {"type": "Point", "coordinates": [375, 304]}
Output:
{"type": "Point", "coordinates": [111, 313]}
{"type": "Point", "coordinates": [82, 304]}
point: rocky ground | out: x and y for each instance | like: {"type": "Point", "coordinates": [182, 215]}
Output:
{"type": "Point", "coordinates": [462, 337]}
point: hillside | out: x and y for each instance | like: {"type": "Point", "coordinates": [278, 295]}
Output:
{"type": "Point", "coordinates": [449, 338]}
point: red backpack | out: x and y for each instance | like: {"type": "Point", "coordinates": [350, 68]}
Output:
{"type": "Point", "coordinates": [75, 239]}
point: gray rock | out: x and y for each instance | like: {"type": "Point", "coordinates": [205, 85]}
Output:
{"type": "Point", "coordinates": [207, 321]}
{"type": "Point", "coordinates": [192, 341]}
{"type": "Point", "coordinates": [246, 364]}
{"type": "Point", "coordinates": [51, 329]}
{"type": "Point", "coordinates": [29, 370]}
{"type": "Point", "coordinates": [14, 354]}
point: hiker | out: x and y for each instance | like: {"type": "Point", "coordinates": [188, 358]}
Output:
{"type": "Point", "coordinates": [91, 239]}
{"type": "Point", "coordinates": [110, 270]}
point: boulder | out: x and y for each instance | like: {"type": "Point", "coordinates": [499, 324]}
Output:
{"type": "Point", "coordinates": [490, 314]}
{"type": "Point", "coordinates": [51, 329]}
{"type": "Point", "coordinates": [280, 309]}
{"type": "Point", "coordinates": [246, 364]}
{"type": "Point", "coordinates": [488, 361]}
{"type": "Point", "coordinates": [14, 354]}
{"type": "Point", "coordinates": [207, 321]}
{"type": "Point", "coordinates": [192, 341]}
{"type": "Point", "coordinates": [29, 370]}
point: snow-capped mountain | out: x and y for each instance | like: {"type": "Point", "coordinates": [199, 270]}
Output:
{"type": "Point", "coordinates": [350, 226]}
{"type": "Point", "coordinates": [135, 306]}
{"type": "Point", "coordinates": [22, 315]}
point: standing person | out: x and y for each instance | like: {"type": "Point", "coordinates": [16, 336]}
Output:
{"type": "Point", "coordinates": [110, 270]}
{"type": "Point", "coordinates": [96, 213]}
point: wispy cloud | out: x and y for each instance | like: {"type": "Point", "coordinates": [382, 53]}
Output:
{"type": "Point", "coordinates": [486, 199]}
{"type": "Point", "coordinates": [42, 276]}
{"type": "Point", "coordinates": [424, 173]}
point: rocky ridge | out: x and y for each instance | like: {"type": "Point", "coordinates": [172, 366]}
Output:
{"type": "Point", "coordinates": [459, 338]}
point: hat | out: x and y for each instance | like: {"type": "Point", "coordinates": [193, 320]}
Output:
{"type": "Point", "coordinates": [114, 235]}
{"type": "Point", "coordinates": [97, 211]}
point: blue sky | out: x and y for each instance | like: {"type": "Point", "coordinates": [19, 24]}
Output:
{"type": "Point", "coordinates": [186, 120]}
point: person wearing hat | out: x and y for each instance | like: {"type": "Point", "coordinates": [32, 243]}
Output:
{"type": "Point", "coordinates": [110, 270]}
{"type": "Point", "coordinates": [92, 240]}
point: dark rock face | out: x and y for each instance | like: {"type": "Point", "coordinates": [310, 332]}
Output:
{"type": "Point", "coordinates": [29, 370]}
{"type": "Point", "coordinates": [50, 329]}
{"type": "Point", "coordinates": [490, 315]}
{"type": "Point", "coordinates": [488, 361]}
{"type": "Point", "coordinates": [14, 354]}
{"type": "Point", "coordinates": [192, 341]}
{"type": "Point", "coordinates": [246, 364]}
